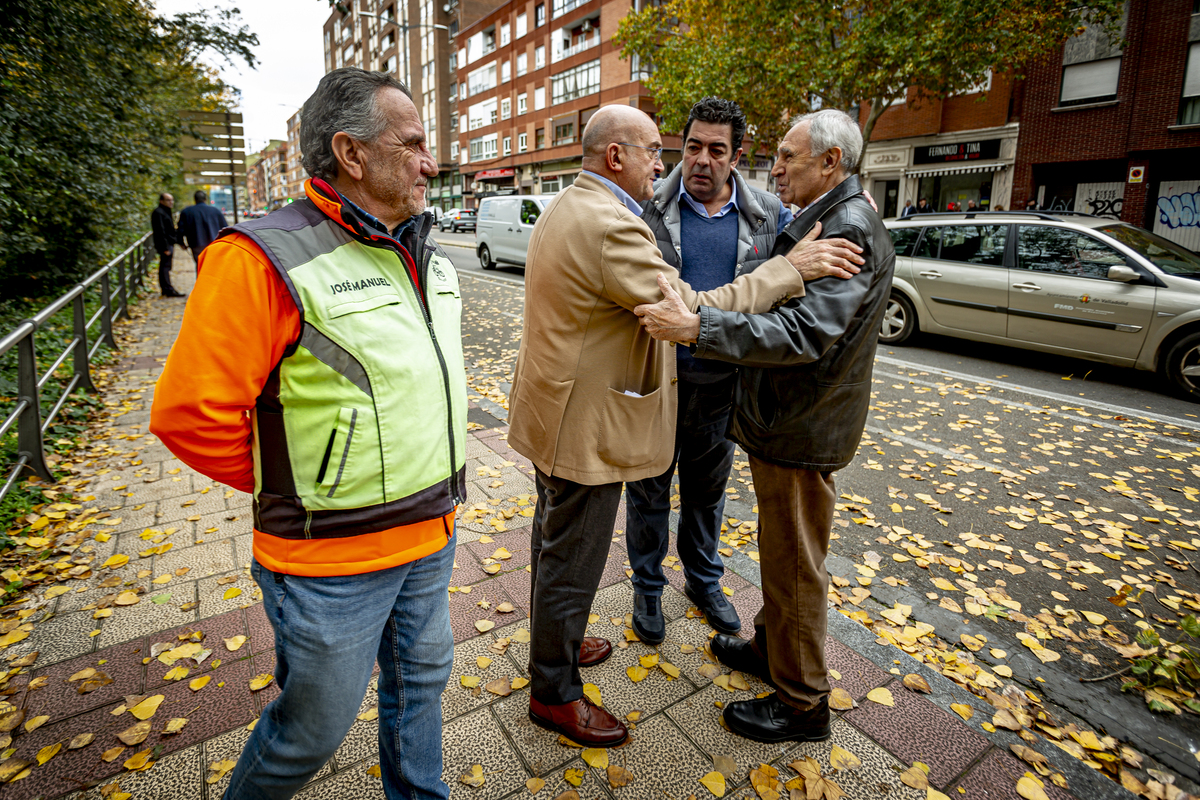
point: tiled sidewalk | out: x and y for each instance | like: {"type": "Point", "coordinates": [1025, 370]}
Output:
{"type": "Point", "coordinates": [153, 500]}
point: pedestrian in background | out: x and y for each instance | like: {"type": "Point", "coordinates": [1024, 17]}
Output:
{"type": "Point", "coordinates": [199, 225]}
{"type": "Point", "coordinates": [800, 406]}
{"type": "Point", "coordinates": [711, 226]}
{"type": "Point", "coordinates": [164, 235]}
{"type": "Point", "coordinates": [286, 381]}
{"type": "Point", "coordinates": [909, 209]}
{"type": "Point", "coordinates": [593, 400]}
{"type": "Point", "coordinates": [923, 207]}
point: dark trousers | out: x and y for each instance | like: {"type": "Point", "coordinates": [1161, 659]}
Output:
{"type": "Point", "coordinates": [704, 457]}
{"type": "Point", "coordinates": [795, 514]}
{"type": "Point", "coordinates": [164, 272]}
{"type": "Point", "coordinates": [572, 529]}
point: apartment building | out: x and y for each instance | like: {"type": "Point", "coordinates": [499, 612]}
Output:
{"type": "Point", "coordinates": [1115, 130]}
{"type": "Point", "coordinates": [947, 150]}
{"type": "Point", "coordinates": [274, 167]}
{"type": "Point", "coordinates": [294, 174]}
{"type": "Point", "coordinates": [256, 183]}
{"type": "Point", "coordinates": [530, 75]}
{"type": "Point", "coordinates": [412, 39]}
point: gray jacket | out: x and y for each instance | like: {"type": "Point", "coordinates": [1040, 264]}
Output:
{"type": "Point", "coordinates": [758, 218]}
{"type": "Point", "coordinates": [805, 378]}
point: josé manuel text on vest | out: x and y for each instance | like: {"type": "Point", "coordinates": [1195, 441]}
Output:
{"type": "Point", "coordinates": [362, 425]}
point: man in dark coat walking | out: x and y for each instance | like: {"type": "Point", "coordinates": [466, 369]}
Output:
{"type": "Point", "coordinates": [199, 225]}
{"type": "Point", "coordinates": [162, 226]}
{"type": "Point", "coordinates": [799, 410]}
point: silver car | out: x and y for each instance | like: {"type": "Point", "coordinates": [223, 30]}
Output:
{"type": "Point", "coordinates": [1066, 283]}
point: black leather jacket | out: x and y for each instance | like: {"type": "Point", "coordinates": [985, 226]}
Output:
{"type": "Point", "coordinates": [162, 224]}
{"type": "Point", "coordinates": [805, 382]}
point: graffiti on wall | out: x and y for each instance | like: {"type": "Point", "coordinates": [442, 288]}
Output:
{"type": "Point", "coordinates": [1101, 199]}
{"type": "Point", "coordinates": [1177, 214]}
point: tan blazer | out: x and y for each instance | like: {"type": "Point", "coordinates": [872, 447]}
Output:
{"type": "Point", "coordinates": [593, 398]}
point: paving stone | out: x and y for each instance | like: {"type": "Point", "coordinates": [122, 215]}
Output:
{"type": "Point", "coordinates": [362, 740]}
{"type": "Point", "coordinates": [621, 695]}
{"type": "Point", "coordinates": [859, 675]}
{"type": "Point", "coordinates": [58, 638]}
{"type": "Point", "coordinates": [200, 504]}
{"type": "Point", "coordinates": [70, 769]}
{"type": "Point", "coordinates": [258, 627]}
{"type": "Point", "coordinates": [879, 775]}
{"type": "Point", "coordinates": [477, 738]}
{"type": "Point", "coordinates": [995, 778]}
{"type": "Point", "coordinates": [465, 610]}
{"type": "Point", "coordinates": [515, 541]}
{"type": "Point", "coordinates": [243, 545]}
{"type": "Point", "coordinates": [518, 652]}
{"type": "Point", "coordinates": [60, 699]}
{"type": "Point", "coordinates": [700, 718]}
{"type": "Point", "coordinates": [264, 664]}
{"type": "Point", "coordinates": [538, 747]}
{"type": "Point", "coordinates": [167, 488]}
{"type": "Point", "coordinates": [663, 762]}
{"type": "Point", "coordinates": [228, 747]}
{"type": "Point", "coordinates": [215, 629]}
{"type": "Point", "coordinates": [354, 783]}
{"type": "Point", "coordinates": [203, 559]}
{"type": "Point", "coordinates": [175, 777]}
{"type": "Point", "coordinates": [225, 528]}
{"type": "Point", "coordinates": [135, 622]}
{"type": "Point", "coordinates": [212, 594]}
{"type": "Point", "coordinates": [594, 785]}
{"type": "Point", "coordinates": [458, 699]}
{"type": "Point", "coordinates": [917, 730]}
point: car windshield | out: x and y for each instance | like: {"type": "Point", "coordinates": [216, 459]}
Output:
{"type": "Point", "coordinates": [1163, 253]}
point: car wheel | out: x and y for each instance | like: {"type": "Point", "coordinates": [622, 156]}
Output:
{"type": "Point", "coordinates": [1183, 366]}
{"type": "Point", "coordinates": [485, 257]}
{"type": "Point", "coordinates": [899, 320]}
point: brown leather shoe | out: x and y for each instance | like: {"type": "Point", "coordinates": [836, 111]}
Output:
{"type": "Point", "coordinates": [593, 651]}
{"type": "Point", "coordinates": [580, 721]}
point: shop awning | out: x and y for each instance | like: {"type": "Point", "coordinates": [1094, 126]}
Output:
{"type": "Point", "coordinates": [955, 169]}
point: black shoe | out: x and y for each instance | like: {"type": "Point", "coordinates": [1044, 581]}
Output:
{"type": "Point", "coordinates": [174, 293]}
{"type": "Point", "coordinates": [769, 719]}
{"type": "Point", "coordinates": [738, 654]}
{"type": "Point", "coordinates": [719, 612]}
{"type": "Point", "coordinates": [648, 619]}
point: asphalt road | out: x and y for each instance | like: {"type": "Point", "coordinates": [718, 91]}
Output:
{"type": "Point", "coordinates": [998, 494]}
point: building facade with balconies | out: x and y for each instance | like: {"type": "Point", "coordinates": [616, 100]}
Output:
{"type": "Point", "coordinates": [530, 75]}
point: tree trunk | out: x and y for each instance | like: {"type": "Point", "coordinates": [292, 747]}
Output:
{"type": "Point", "coordinates": [878, 106]}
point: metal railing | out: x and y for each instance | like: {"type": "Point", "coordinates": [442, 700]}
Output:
{"type": "Point", "coordinates": [129, 270]}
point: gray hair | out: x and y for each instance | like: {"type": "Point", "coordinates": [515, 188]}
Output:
{"type": "Point", "coordinates": [831, 127]}
{"type": "Point", "coordinates": [345, 102]}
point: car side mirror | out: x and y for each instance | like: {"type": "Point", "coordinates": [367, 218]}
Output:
{"type": "Point", "coordinates": [1122, 274]}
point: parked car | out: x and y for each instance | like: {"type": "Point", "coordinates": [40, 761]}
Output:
{"type": "Point", "coordinates": [1066, 283]}
{"type": "Point", "coordinates": [443, 221]}
{"type": "Point", "coordinates": [504, 226]}
{"type": "Point", "coordinates": [457, 219]}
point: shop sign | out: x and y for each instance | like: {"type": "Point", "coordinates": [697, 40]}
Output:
{"type": "Point", "coordinates": [959, 151]}
{"type": "Point", "coordinates": [507, 172]}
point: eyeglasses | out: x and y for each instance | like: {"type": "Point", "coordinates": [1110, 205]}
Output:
{"type": "Point", "coordinates": [655, 152]}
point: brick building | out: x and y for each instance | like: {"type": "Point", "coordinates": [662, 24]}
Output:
{"type": "Point", "coordinates": [274, 167]}
{"type": "Point", "coordinates": [947, 150]}
{"type": "Point", "coordinates": [294, 174]}
{"type": "Point", "coordinates": [530, 75]}
{"type": "Point", "coordinates": [1116, 130]}
{"type": "Point", "coordinates": [421, 55]}
{"type": "Point", "coordinates": [256, 183]}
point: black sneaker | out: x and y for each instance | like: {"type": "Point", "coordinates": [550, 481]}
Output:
{"type": "Point", "coordinates": [719, 612]}
{"type": "Point", "coordinates": [648, 621]}
{"type": "Point", "coordinates": [769, 719]}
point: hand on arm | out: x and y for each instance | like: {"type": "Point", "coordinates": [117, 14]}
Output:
{"type": "Point", "coordinates": [669, 319]}
{"type": "Point", "coordinates": [817, 258]}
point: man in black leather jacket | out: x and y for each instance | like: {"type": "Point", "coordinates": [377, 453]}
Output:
{"type": "Point", "coordinates": [799, 411]}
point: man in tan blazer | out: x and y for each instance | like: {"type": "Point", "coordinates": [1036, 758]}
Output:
{"type": "Point", "coordinates": [593, 398]}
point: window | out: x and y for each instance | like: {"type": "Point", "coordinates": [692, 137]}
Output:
{"type": "Point", "coordinates": [480, 114]}
{"type": "Point", "coordinates": [522, 20]}
{"type": "Point", "coordinates": [462, 122]}
{"type": "Point", "coordinates": [539, 15]}
{"type": "Point", "coordinates": [454, 122]}
{"type": "Point", "coordinates": [1090, 82]}
{"type": "Point", "coordinates": [1189, 110]}
{"type": "Point", "coordinates": [539, 98]}
{"type": "Point", "coordinates": [506, 71]}
{"type": "Point", "coordinates": [564, 133]}
{"type": "Point", "coordinates": [507, 145]}
{"type": "Point", "coordinates": [453, 91]}
{"type": "Point", "coordinates": [639, 71]}
{"type": "Point", "coordinates": [530, 211]}
{"type": "Point", "coordinates": [1064, 252]}
{"type": "Point", "coordinates": [540, 138]}
{"type": "Point", "coordinates": [550, 185]}
{"type": "Point", "coordinates": [505, 34]}
{"type": "Point", "coordinates": [522, 63]}
{"type": "Point", "coordinates": [483, 147]}
{"type": "Point", "coordinates": [974, 244]}
{"type": "Point", "coordinates": [539, 56]}
{"type": "Point", "coordinates": [576, 82]}
{"type": "Point", "coordinates": [521, 103]}
{"type": "Point", "coordinates": [522, 142]}
{"type": "Point", "coordinates": [482, 79]}
{"type": "Point", "coordinates": [904, 239]}
{"type": "Point", "coordinates": [453, 150]}
{"type": "Point", "coordinates": [506, 108]}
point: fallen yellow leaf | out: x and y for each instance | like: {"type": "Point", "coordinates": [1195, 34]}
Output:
{"type": "Point", "coordinates": [715, 783]}
{"type": "Point", "coordinates": [260, 681]}
{"type": "Point", "coordinates": [881, 696]}
{"type": "Point", "coordinates": [596, 758]}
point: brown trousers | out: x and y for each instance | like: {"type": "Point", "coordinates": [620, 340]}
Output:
{"type": "Point", "coordinates": [795, 513]}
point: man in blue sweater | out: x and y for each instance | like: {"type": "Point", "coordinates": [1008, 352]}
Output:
{"type": "Point", "coordinates": [711, 226]}
{"type": "Point", "coordinates": [200, 224]}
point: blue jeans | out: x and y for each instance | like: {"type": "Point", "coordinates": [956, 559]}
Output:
{"type": "Point", "coordinates": [704, 457]}
{"type": "Point", "coordinates": [329, 632]}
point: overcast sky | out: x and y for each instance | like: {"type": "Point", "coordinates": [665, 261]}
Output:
{"type": "Point", "coordinates": [291, 60]}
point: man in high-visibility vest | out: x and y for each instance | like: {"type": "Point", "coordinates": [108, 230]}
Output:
{"type": "Point", "coordinates": [320, 367]}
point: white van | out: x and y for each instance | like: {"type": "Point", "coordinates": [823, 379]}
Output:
{"type": "Point", "coordinates": [504, 225]}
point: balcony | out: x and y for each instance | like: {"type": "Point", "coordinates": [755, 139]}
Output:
{"type": "Point", "coordinates": [563, 6]}
{"type": "Point", "coordinates": [579, 48]}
